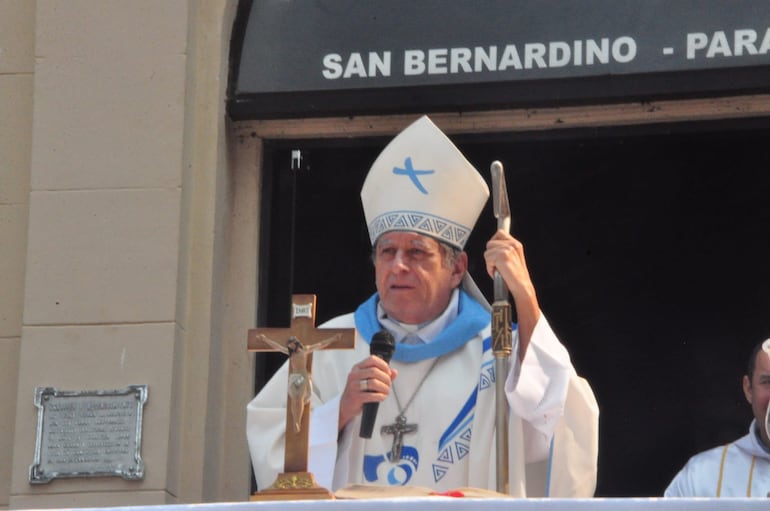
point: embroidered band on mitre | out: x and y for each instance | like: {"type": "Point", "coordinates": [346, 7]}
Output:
{"type": "Point", "coordinates": [422, 183]}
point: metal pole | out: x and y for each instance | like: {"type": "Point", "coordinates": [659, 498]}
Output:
{"type": "Point", "coordinates": [501, 333]}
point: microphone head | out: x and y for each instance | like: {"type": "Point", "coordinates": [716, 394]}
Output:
{"type": "Point", "coordinates": [383, 345]}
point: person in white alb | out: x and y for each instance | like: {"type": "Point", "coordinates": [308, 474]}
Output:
{"type": "Point", "coordinates": [740, 468]}
{"type": "Point", "coordinates": [435, 425]}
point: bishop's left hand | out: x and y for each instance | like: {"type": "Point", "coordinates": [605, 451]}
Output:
{"type": "Point", "coordinates": [505, 254]}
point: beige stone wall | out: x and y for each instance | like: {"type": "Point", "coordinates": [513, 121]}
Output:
{"type": "Point", "coordinates": [116, 207]}
{"type": "Point", "coordinates": [17, 24]}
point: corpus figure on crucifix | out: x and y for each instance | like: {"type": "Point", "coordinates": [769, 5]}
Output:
{"type": "Point", "coordinates": [300, 381]}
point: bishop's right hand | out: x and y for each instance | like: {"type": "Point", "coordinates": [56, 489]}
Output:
{"type": "Point", "coordinates": [369, 381]}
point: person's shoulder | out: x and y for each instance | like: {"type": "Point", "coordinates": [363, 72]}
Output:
{"type": "Point", "coordinates": [342, 321]}
{"type": "Point", "coordinates": [708, 456]}
{"type": "Point", "coordinates": [701, 466]}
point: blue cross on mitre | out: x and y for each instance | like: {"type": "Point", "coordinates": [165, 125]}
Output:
{"type": "Point", "coordinates": [413, 174]}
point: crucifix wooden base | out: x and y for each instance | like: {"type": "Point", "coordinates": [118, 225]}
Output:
{"type": "Point", "coordinates": [294, 486]}
{"type": "Point", "coordinates": [299, 341]}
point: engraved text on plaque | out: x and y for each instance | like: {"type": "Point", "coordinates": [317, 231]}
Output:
{"type": "Point", "coordinates": [88, 433]}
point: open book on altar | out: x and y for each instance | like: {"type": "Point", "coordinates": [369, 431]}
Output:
{"type": "Point", "coordinates": [371, 491]}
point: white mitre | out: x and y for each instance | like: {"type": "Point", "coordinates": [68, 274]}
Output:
{"type": "Point", "coordinates": [422, 183]}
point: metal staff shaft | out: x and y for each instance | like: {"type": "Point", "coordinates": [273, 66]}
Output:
{"type": "Point", "coordinates": [502, 336]}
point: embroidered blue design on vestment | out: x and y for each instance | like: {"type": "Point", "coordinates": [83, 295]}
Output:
{"type": "Point", "coordinates": [463, 418]}
{"type": "Point", "coordinates": [379, 469]}
{"type": "Point", "coordinates": [462, 449]}
{"type": "Point", "coordinates": [370, 467]}
{"type": "Point", "coordinates": [422, 223]}
{"type": "Point", "coordinates": [439, 472]}
{"type": "Point", "coordinates": [410, 171]}
{"type": "Point", "coordinates": [446, 456]}
{"type": "Point", "coordinates": [485, 381]}
{"type": "Point", "coordinates": [487, 377]}
{"type": "Point", "coordinates": [455, 429]}
{"type": "Point", "coordinates": [550, 466]}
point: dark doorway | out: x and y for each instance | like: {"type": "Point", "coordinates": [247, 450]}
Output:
{"type": "Point", "coordinates": [648, 247]}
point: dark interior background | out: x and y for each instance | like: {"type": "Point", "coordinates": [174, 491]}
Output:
{"type": "Point", "coordinates": [648, 247]}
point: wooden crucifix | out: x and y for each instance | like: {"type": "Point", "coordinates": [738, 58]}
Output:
{"type": "Point", "coordinates": [298, 342]}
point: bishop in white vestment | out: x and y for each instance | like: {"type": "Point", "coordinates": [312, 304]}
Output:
{"type": "Point", "coordinates": [435, 425]}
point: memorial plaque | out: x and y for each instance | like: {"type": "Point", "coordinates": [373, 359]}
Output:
{"type": "Point", "coordinates": [88, 433]}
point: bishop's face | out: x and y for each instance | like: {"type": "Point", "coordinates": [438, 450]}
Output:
{"type": "Point", "coordinates": [757, 391]}
{"type": "Point", "coordinates": [413, 278]}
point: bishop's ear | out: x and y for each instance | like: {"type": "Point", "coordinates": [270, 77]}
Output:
{"type": "Point", "coordinates": [460, 267]}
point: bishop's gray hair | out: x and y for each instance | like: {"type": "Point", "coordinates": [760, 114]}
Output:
{"type": "Point", "coordinates": [449, 252]}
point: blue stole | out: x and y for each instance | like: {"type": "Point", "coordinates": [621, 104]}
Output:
{"type": "Point", "coordinates": [471, 319]}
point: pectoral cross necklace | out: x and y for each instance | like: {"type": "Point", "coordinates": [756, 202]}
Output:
{"type": "Point", "coordinates": [400, 426]}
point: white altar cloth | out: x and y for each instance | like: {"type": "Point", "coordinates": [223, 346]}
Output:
{"type": "Point", "coordinates": [466, 504]}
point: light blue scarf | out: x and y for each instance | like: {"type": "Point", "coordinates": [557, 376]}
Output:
{"type": "Point", "coordinates": [472, 317]}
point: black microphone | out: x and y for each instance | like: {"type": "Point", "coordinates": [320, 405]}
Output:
{"type": "Point", "coordinates": [383, 345]}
